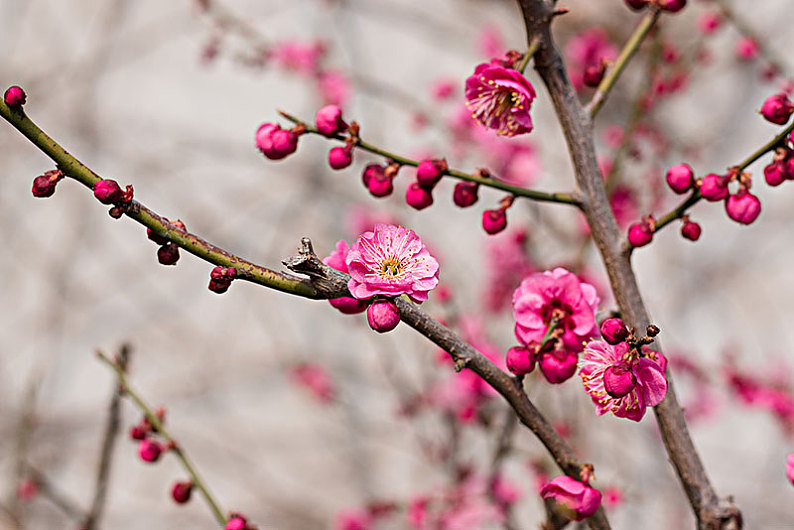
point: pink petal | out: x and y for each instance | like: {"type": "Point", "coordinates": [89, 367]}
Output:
{"type": "Point", "coordinates": [652, 380]}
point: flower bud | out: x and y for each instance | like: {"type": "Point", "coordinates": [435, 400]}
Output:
{"type": "Point", "coordinates": [777, 109]}
{"type": "Point", "coordinates": [776, 172]}
{"type": "Point", "coordinates": [418, 197]}
{"type": "Point", "coordinates": [236, 522]}
{"type": "Point", "coordinates": [429, 172]}
{"type": "Point", "coordinates": [672, 6]}
{"type": "Point", "coordinates": [168, 254]}
{"type": "Point", "coordinates": [14, 96]}
{"type": "Point", "coordinates": [558, 366]}
{"type": "Point", "coordinates": [340, 157]}
{"type": "Point", "coordinates": [743, 207]}
{"type": "Point", "coordinates": [465, 193]}
{"type": "Point", "coordinates": [614, 331]}
{"type": "Point", "coordinates": [221, 279]}
{"type": "Point", "coordinates": [181, 491]}
{"type": "Point", "coordinates": [691, 230]}
{"type": "Point", "coordinates": [747, 48]}
{"type": "Point", "coordinates": [329, 120]}
{"type": "Point", "coordinates": [377, 181]}
{"type": "Point", "coordinates": [348, 305]}
{"type": "Point", "coordinates": [44, 185]}
{"type": "Point", "coordinates": [149, 450]}
{"type": "Point", "coordinates": [709, 22]}
{"type": "Point", "coordinates": [520, 360]}
{"type": "Point", "coordinates": [619, 380]}
{"type": "Point", "coordinates": [640, 233]}
{"type": "Point", "coordinates": [107, 191]}
{"type": "Point", "coordinates": [575, 499]}
{"type": "Point", "coordinates": [494, 221]}
{"type": "Point", "coordinates": [383, 315]}
{"type": "Point", "coordinates": [714, 187]}
{"type": "Point", "coordinates": [680, 178]}
{"type": "Point", "coordinates": [138, 432]}
{"type": "Point", "coordinates": [275, 142]}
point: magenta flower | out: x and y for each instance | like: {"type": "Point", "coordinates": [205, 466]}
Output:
{"type": "Point", "coordinates": [558, 293]}
{"type": "Point", "coordinates": [577, 500]}
{"type": "Point", "coordinates": [391, 261]}
{"type": "Point", "coordinates": [603, 364]}
{"type": "Point", "coordinates": [500, 98]}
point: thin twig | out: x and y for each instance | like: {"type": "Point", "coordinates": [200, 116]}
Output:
{"type": "Point", "coordinates": [155, 422]}
{"type": "Point", "coordinates": [108, 444]}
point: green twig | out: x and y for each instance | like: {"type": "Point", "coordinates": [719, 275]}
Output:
{"type": "Point", "coordinates": [531, 49]}
{"type": "Point", "coordinates": [155, 422]}
{"type": "Point", "coordinates": [518, 191]}
{"type": "Point", "coordinates": [628, 51]}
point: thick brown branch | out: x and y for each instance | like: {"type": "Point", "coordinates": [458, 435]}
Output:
{"type": "Point", "coordinates": [577, 128]}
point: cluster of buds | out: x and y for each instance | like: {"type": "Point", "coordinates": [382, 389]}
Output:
{"type": "Point", "coordinates": [168, 253]}
{"type": "Point", "coordinates": [620, 379]}
{"type": "Point", "coordinates": [428, 173]}
{"type": "Point", "coordinates": [742, 206]}
{"type": "Point", "coordinates": [556, 362]}
{"type": "Point", "coordinates": [221, 278]}
{"type": "Point", "coordinates": [782, 166]}
{"type": "Point", "coordinates": [108, 191]}
{"type": "Point", "coordinates": [671, 6]}
{"type": "Point", "coordinates": [277, 143]}
{"type": "Point", "coordinates": [44, 185]}
{"type": "Point", "coordinates": [149, 447]}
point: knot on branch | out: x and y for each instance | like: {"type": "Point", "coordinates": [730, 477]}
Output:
{"type": "Point", "coordinates": [328, 281]}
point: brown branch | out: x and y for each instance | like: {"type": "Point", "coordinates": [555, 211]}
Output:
{"type": "Point", "coordinates": [108, 444]}
{"type": "Point", "coordinates": [711, 512]}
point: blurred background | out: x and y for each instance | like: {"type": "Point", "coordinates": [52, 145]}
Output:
{"type": "Point", "coordinates": [294, 413]}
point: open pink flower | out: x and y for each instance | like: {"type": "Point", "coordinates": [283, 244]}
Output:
{"type": "Point", "coordinates": [577, 500]}
{"type": "Point", "coordinates": [500, 98]}
{"type": "Point", "coordinates": [649, 387]}
{"type": "Point", "coordinates": [391, 261]}
{"type": "Point", "coordinates": [559, 292]}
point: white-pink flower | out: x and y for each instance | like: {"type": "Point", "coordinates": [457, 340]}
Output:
{"type": "Point", "coordinates": [391, 261]}
{"type": "Point", "coordinates": [650, 386]}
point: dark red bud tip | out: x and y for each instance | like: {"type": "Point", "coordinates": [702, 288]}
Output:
{"type": "Point", "coordinates": [168, 254]}
{"type": "Point", "coordinates": [138, 432]}
{"type": "Point", "coordinates": [494, 221]}
{"type": "Point", "coordinates": [691, 230]}
{"type": "Point", "coordinates": [181, 491]}
{"type": "Point", "coordinates": [14, 96]}
{"type": "Point", "coordinates": [465, 193]}
{"type": "Point", "coordinates": [614, 331]}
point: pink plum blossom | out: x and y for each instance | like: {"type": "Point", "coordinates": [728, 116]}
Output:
{"type": "Point", "coordinates": [316, 379]}
{"type": "Point", "coordinates": [648, 391]}
{"type": "Point", "coordinates": [391, 261]}
{"type": "Point", "coordinates": [577, 500]}
{"type": "Point", "coordinates": [559, 292]}
{"type": "Point", "coordinates": [500, 98]}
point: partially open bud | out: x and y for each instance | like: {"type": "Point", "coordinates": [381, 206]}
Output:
{"type": "Point", "coordinates": [777, 109]}
{"type": "Point", "coordinates": [329, 120]}
{"type": "Point", "coordinates": [680, 178]}
{"type": "Point", "coordinates": [714, 187]}
{"type": "Point", "coordinates": [743, 207]}
{"type": "Point", "coordinates": [619, 380]}
{"type": "Point", "coordinates": [429, 172]}
{"type": "Point", "coordinates": [149, 450]}
{"type": "Point", "coordinates": [614, 331]}
{"type": "Point", "coordinates": [465, 193]}
{"type": "Point", "coordinates": [383, 315]}
{"type": "Point", "coordinates": [340, 157]}
{"type": "Point", "coordinates": [494, 221]}
{"type": "Point", "coordinates": [520, 360]}
{"type": "Point", "coordinates": [181, 491]}
{"type": "Point", "coordinates": [418, 196]}
{"type": "Point", "coordinates": [14, 96]}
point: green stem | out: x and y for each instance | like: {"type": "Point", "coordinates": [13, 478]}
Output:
{"type": "Point", "coordinates": [695, 197]}
{"type": "Point", "coordinates": [73, 168]}
{"type": "Point", "coordinates": [518, 191]}
{"type": "Point", "coordinates": [628, 51]}
{"type": "Point", "coordinates": [158, 426]}
{"type": "Point", "coordinates": [531, 49]}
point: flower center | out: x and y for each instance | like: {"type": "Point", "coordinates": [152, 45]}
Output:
{"type": "Point", "coordinates": [391, 268]}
